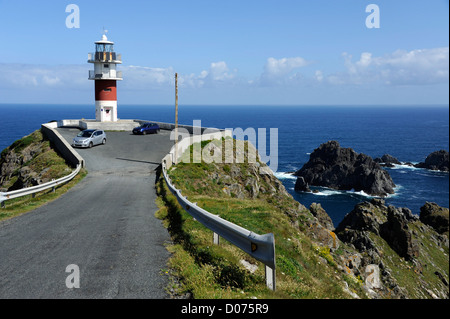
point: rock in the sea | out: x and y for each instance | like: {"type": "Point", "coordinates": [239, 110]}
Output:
{"type": "Point", "coordinates": [387, 160]}
{"type": "Point", "coordinates": [301, 185]}
{"type": "Point", "coordinates": [435, 216]}
{"type": "Point", "coordinates": [335, 167]}
{"type": "Point", "coordinates": [436, 161]}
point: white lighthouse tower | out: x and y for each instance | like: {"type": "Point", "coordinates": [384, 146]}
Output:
{"type": "Point", "coordinates": [105, 75]}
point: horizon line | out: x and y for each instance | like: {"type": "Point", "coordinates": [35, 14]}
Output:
{"type": "Point", "coordinates": [244, 104]}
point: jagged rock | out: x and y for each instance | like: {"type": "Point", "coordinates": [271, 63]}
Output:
{"type": "Point", "coordinates": [323, 235]}
{"type": "Point", "coordinates": [358, 229]}
{"type": "Point", "coordinates": [251, 185]}
{"type": "Point", "coordinates": [365, 217]}
{"type": "Point", "coordinates": [435, 216]}
{"type": "Point", "coordinates": [436, 161]}
{"type": "Point", "coordinates": [301, 185]}
{"type": "Point", "coordinates": [335, 167]}
{"type": "Point", "coordinates": [235, 190]}
{"type": "Point", "coordinates": [249, 181]}
{"type": "Point", "coordinates": [388, 222]}
{"type": "Point", "coordinates": [322, 216]}
{"type": "Point", "coordinates": [387, 160]}
{"type": "Point", "coordinates": [398, 235]}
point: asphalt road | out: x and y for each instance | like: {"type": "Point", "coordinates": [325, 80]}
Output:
{"type": "Point", "coordinates": [105, 225]}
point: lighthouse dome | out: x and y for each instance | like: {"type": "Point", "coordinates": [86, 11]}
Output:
{"type": "Point", "coordinates": [104, 40]}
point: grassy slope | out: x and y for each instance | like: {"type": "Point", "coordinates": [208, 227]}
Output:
{"type": "Point", "coordinates": [304, 269]}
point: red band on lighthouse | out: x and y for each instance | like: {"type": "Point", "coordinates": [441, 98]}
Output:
{"type": "Point", "coordinates": [106, 90]}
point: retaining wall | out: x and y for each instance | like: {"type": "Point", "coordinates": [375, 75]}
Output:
{"type": "Point", "coordinates": [64, 148]}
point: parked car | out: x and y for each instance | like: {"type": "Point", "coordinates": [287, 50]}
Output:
{"type": "Point", "coordinates": [89, 138]}
{"type": "Point", "coordinates": [146, 128]}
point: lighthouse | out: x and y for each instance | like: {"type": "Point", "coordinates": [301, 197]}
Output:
{"type": "Point", "coordinates": [105, 75]}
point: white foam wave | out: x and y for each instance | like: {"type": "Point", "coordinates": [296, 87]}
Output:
{"type": "Point", "coordinates": [330, 192]}
{"type": "Point", "coordinates": [405, 166]}
{"type": "Point", "coordinates": [360, 193]}
{"type": "Point", "coordinates": [397, 188]}
{"type": "Point", "coordinates": [327, 192]}
{"type": "Point", "coordinates": [283, 175]}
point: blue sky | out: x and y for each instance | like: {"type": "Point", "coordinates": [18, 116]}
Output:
{"type": "Point", "coordinates": [284, 52]}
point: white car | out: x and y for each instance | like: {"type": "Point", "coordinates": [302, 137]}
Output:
{"type": "Point", "coordinates": [89, 138]}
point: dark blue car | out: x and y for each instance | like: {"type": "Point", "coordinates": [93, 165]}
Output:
{"type": "Point", "coordinates": [146, 128]}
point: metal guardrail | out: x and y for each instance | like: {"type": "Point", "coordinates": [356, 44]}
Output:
{"type": "Point", "coordinates": [260, 247]}
{"type": "Point", "coordinates": [39, 188]}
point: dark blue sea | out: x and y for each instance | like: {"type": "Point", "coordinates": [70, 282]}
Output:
{"type": "Point", "coordinates": [409, 133]}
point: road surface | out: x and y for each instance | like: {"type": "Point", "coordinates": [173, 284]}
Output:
{"type": "Point", "coordinates": [105, 226]}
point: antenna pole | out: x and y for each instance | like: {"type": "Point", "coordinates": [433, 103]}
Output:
{"type": "Point", "coordinates": [176, 118]}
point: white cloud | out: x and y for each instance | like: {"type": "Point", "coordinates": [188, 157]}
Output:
{"type": "Point", "coordinates": [283, 66]}
{"type": "Point", "coordinates": [146, 78]}
{"type": "Point", "coordinates": [42, 76]}
{"type": "Point", "coordinates": [318, 76]}
{"type": "Point", "coordinates": [139, 77]}
{"type": "Point", "coordinates": [279, 71]}
{"type": "Point", "coordinates": [219, 72]}
{"type": "Point", "coordinates": [416, 67]}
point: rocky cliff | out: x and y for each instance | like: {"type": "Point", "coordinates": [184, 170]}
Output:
{"type": "Point", "coordinates": [411, 256]}
{"type": "Point", "coordinates": [30, 161]}
{"type": "Point", "coordinates": [335, 167]}
{"type": "Point", "coordinates": [435, 216]}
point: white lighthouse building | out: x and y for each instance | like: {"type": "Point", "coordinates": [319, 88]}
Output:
{"type": "Point", "coordinates": [105, 75]}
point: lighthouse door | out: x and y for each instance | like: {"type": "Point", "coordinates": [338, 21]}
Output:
{"type": "Point", "coordinates": [108, 114]}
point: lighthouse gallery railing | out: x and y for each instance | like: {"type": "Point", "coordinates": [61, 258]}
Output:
{"type": "Point", "coordinates": [104, 57]}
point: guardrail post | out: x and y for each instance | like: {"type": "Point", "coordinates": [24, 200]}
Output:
{"type": "Point", "coordinates": [216, 239]}
{"type": "Point", "coordinates": [270, 278]}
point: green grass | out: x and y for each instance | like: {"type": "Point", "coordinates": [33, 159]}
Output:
{"type": "Point", "coordinates": [210, 271]}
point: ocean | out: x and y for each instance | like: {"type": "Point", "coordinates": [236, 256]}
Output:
{"type": "Point", "coordinates": [409, 133]}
